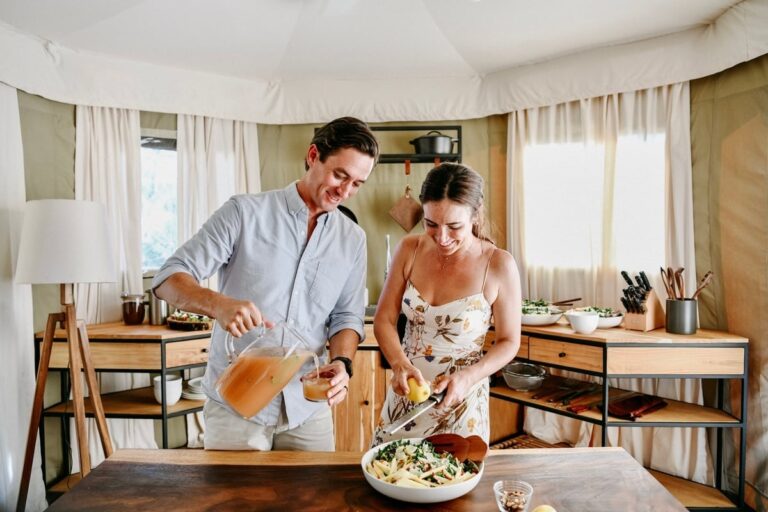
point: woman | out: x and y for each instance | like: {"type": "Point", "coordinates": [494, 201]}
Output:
{"type": "Point", "coordinates": [448, 282]}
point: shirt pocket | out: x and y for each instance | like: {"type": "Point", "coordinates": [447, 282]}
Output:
{"type": "Point", "coordinates": [327, 286]}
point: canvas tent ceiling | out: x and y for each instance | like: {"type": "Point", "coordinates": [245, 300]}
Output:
{"type": "Point", "coordinates": [289, 61]}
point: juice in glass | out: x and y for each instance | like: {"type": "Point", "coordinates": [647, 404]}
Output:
{"type": "Point", "coordinates": [316, 388]}
{"type": "Point", "coordinates": [252, 381]}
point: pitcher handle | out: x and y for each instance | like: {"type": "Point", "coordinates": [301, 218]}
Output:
{"type": "Point", "coordinates": [229, 342]}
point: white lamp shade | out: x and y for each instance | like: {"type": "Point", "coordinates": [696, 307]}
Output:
{"type": "Point", "coordinates": [65, 241]}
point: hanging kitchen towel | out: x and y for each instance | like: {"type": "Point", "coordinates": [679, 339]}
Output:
{"type": "Point", "coordinates": [407, 211]}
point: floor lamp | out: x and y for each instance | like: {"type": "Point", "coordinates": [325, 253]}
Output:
{"type": "Point", "coordinates": [65, 242]}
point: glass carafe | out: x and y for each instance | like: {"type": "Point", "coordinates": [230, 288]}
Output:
{"type": "Point", "coordinates": [258, 372]}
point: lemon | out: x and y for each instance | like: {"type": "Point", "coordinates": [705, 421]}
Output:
{"type": "Point", "coordinates": [544, 508]}
{"type": "Point", "coordinates": [416, 393]}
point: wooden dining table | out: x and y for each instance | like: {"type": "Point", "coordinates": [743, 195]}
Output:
{"type": "Point", "coordinates": [568, 479]}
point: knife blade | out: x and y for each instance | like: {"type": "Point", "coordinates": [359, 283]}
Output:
{"type": "Point", "coordinates": [414, 413]}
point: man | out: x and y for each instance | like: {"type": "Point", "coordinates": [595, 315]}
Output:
{"type": "Point", "coordinates": [283, 256]}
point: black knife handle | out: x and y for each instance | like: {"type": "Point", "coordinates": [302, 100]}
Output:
{"type": "Point", "coordinates": [627, 278]}
{"type": "Point", "coordinates": [646, 281]}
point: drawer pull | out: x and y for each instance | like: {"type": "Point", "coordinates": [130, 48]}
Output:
{"type": "Point", "coordinates": [561, 354]}
{"type": "Point", "coordinates": [366, 402]}
{"type": "Point", "coordinates": [204, 350]}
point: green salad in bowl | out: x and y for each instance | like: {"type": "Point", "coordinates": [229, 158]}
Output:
{"type": "Point", "coordinates": [540, 312]}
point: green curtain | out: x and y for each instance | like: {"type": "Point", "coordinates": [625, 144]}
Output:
{"type": "Point", "coordinates": [729, 145]}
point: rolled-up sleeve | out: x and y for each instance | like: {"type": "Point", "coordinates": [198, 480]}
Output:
{"type": "Point", "coordinates": [210, 248]}
{"type": "Point", "coordinates": [349, 312]}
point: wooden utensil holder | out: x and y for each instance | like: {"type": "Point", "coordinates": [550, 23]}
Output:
{"type": "Point", "coordinates": [653, 318]}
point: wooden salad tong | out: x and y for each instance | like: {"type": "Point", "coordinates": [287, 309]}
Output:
{"type": "Point", "coordinates": [472, 448]}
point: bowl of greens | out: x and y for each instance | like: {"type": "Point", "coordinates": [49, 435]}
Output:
{"type": "Point", "coordinates": [540, 312]}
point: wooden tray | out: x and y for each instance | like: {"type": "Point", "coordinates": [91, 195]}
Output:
{"type": "Point", "coordinates": [185, 325]}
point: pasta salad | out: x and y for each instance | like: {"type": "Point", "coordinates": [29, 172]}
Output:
{"type": "Point", "coordinates": [408, 464]}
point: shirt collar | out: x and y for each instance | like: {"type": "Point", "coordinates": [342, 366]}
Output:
{"type": "Point", "coordinates": [296, 204]}
{"type": "Point", "coordinates": [293, 199]}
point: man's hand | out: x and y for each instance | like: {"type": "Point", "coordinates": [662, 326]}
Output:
{"type": "Point", "coordinates": [337, 372]}
{"type": "Point", "coordinates": [238, 316]}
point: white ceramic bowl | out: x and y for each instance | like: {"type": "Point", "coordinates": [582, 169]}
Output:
{"type": "Point", "coordinates": [543, 319]}
{"type": "Point", "coordinates": [172, 389]}
{"type": "Point", "coordinates": [411, 495]}
{"type": "Point", "coordinates": [583, 322]}
{"type": "Point", "coordinates": [606, 322]}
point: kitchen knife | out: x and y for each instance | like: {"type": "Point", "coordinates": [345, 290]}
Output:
{"type": "Point", "coordinates": [640, 283]}
{"type": "Point", "coordinates": [414, 413]}
{"type": "Point", "coordinates": [588, 405]}
{"type": "Point", "coordinates": [647, 283]}
{"type": "Point", "coordinates": [627, 305]}
{"type": "Point", "coordinates": [627, 278]}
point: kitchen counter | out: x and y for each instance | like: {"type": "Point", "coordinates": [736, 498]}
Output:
{"type": "Point", "coordinates": [570, 479]}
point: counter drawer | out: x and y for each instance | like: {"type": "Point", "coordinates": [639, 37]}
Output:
{"type": "Point", "coordinates": [490, 340]}
{"type": "Point", "coordinates": [112, 355]}
{"type": "Point", "coordinates": [572, 355]}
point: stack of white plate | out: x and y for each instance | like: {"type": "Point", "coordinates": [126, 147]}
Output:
{"type": "Point", "coordinates": [194, 389]}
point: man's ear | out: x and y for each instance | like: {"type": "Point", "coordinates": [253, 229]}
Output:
{"type": "Point", "coordinates": [313, 154]}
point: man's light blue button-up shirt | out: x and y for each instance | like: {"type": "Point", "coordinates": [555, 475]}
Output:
{"type": "Point", "coordinates": [258, 244]}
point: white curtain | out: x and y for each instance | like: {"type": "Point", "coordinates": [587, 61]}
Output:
{"type": "Point", "coordinates": [217, 158]}
{"type": "Point", "coordinates": [596, 136]}
{"type": "Point", "coordinates": [108, 170]}
{"type": "Point", "coordinates": [17, 378]}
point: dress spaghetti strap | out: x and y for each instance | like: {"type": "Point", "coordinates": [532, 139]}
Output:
{"type": "Point", "coordinates": [413, 260]}
{"type": "Point", "coordinates": [487, 267]}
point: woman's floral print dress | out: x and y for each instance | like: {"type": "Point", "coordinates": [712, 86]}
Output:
{"type": "Point", "coordinates": [441, 340]}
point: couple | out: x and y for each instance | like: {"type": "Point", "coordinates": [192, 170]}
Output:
{"type": "Point", "coordinates": [288, 255]}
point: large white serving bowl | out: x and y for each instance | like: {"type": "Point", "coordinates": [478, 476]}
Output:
{"type": "Point", "coordinates": [411, 495]}
{"type": "Point", "coordinates": [539, 319]}
{"type": "Point", "coordinates": [606, 322]}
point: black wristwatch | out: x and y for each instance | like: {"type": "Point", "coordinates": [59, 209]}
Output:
{"type": "Point", "coordinates": [347, 364]}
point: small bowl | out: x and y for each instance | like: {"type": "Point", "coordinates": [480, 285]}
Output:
{"type": "Point", "coordinates": [583, 322]}
{"type": "Point", "coordinates": [523, 376]}
{"type": "Point", "coordinates": [172, 389]}
{"type": "Point", "coordinates": [513, 495]}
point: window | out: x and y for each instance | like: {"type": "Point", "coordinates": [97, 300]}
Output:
{"type": "Point", "coordinates": [570, 203]}
{"type": "Point", "coordinates": [158, 201]}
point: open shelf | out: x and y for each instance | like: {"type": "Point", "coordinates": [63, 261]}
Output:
{"type": "Point", "coordinates": [676, 413]}
{"type": "Point", "coordinates": [134, 403]}
{"type": "Point", "coordinates": [65, 484]}
{"type": "Point", "coordinates": [693, 494]}
{"type": "Point", "coordinates": [420, 158]}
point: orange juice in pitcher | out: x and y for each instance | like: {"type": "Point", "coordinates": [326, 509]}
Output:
{"type": "Point", "coordinates": [262, 370]}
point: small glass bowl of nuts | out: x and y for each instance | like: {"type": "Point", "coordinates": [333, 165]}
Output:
{"type": "Point", "coordinates": [513, 495]}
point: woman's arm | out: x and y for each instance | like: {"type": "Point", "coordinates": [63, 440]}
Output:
{"type": "Point", "coordinates": [506, 314]}
{"type": "Point", "coordinates": [387, 311]}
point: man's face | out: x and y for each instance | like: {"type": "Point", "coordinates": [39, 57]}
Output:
{"type": "Point", "coordinates": [329, 183]}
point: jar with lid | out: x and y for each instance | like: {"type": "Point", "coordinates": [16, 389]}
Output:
{"type": "Point", "coordinates": [133, 308]}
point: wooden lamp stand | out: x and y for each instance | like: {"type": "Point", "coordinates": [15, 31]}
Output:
{"type": "Point", "coordinates": [79, 360]}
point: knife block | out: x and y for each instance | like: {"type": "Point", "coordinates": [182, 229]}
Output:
{"type": "Point", "coordinates": [653, 318]}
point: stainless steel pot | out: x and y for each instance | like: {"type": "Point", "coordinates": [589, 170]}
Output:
{"type": "Point", "coordinates": [433, 142]}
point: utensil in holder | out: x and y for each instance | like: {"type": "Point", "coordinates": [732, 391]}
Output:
{"type": "Point", "coordinates": [653, 318]}
{"type": "Point", "coordinates": [682, 316]}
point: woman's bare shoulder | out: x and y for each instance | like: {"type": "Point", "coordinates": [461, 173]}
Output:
{"type": "Point", "coordinates": [502, 262]}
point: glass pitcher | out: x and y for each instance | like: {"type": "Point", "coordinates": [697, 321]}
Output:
{"type": "Point", "coordinates": [257, 373]}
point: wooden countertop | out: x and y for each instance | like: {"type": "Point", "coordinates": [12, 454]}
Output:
{"type": "Point", "coordinates": [619, 335]}
{"type": "Point", "coordinates": [570, 479]}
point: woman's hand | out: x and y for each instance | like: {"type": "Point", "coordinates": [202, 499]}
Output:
{"type": "Point", "coordinates": [456, 387]}
{"type": "Point", "coordinates": [401, 373]}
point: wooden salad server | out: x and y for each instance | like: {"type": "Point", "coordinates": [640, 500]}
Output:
{"type": "Point", "coordinates": [473, 448]}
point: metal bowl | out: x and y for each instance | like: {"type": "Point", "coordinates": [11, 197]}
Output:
{"type": "Point", "coordinates": [523, 376]}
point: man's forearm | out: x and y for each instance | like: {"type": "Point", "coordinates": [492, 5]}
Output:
{"type": "Point", "coordinates": [344, 344]}
{"type": "Point", "coordinates": [182, 291]}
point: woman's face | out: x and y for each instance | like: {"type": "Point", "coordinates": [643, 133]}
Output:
{"type": "Point", "coordinates": [449, 224]}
